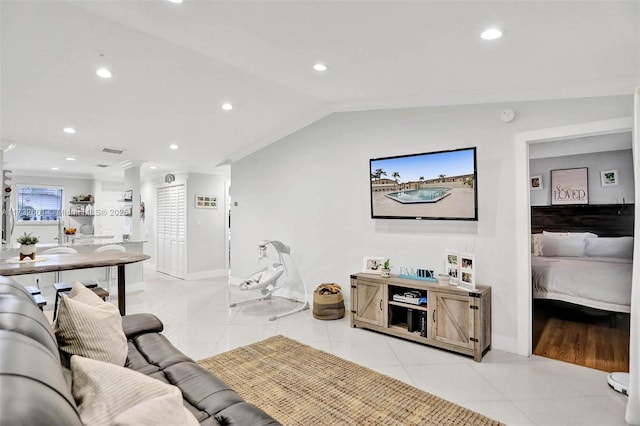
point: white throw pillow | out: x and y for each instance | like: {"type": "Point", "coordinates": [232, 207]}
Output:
{"type": "Point", "coordinates": [90, 327]}
{"type": "Point", "coordinates": [551, 245]}
{"type": "Point", "coordinates": [610, 247]}
{"type": "Point", "coordinates": [107, 394]}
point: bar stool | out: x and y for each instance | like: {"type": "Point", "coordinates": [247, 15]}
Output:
{"type": "Point", "coordinates": [110, 248]}
{"type": "Point", "coordinates": [65, 287]}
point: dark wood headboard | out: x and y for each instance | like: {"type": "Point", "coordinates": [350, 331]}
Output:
{"type": "Point", "coordinates": [606, 220]}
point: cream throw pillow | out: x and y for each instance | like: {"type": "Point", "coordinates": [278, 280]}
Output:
{"type": "Point", "coordinates": [110, 395]}
{"type": "Point", "coordinates": [90, 327]}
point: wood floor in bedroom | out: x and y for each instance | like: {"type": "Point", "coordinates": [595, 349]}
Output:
{"type": "Point", "coordinates": [581, 336]}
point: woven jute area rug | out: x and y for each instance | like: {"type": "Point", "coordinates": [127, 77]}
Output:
{"type": "Point", "coordinates": [299, 385]}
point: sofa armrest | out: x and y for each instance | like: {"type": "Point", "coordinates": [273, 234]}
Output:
{"type": "Point", "coordinates": [136, 324]}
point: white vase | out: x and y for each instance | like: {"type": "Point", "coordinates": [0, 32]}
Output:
{"type": "Point", "coordinates": [443, 279]}
{"type": "Point", "coordinates": [28, 250]}
{"type": "Point", "coordinates": [385, 273]}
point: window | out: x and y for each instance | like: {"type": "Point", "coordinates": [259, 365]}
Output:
{"type": "Point", "coordinates": [39, 204]}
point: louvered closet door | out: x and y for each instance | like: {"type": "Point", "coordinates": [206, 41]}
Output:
{"type": "Point", "coordinates": [171, 217]}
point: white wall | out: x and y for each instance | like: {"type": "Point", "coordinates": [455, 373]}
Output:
{"type": "Point", "coordinates": [311, 191]}
{"type": "Point", "coordinates": [205, 227]}
{"type": "Point", "coordinates": [206, 232]}
{"type": "Point", "coordinates": [596, 162]}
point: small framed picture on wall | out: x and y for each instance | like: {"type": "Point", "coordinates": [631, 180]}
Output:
{"type": "Point", "coordinates": [206, 202]}
{"type": "Point", "coordinates": [609, 178]}
{"type": "Point", "coordinates": [535, 184]}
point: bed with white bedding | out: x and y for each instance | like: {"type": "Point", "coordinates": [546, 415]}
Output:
{"type": "Point", "coordinates": [596, 282]}
{"type": "Point", "coordinates": [582, 254]}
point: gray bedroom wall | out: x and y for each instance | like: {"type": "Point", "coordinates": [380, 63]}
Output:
{"type": "Point", "coordinates": [595, 162]}
{"type": "Point", "coordinates": [311, 191]}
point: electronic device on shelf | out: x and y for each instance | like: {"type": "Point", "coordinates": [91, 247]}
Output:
{"type": "Point", "coordinates": [411, 297]}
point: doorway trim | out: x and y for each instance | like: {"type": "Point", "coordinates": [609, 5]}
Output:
{"type": "Point", "coordinates": [522, 209]}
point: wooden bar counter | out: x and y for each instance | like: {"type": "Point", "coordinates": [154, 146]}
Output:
{"type": "Point", "coordinates": [66, 262]}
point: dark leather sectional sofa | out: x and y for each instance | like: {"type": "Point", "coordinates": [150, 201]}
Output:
{"type": "Point", "coordinates": [35, 385]}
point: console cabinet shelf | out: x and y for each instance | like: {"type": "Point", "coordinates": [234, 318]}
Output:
{"type": "Point", "coordinates": [454, 319]}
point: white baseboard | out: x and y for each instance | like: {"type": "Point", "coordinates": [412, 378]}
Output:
{"type": "Point", "coordinates": [208, 274]}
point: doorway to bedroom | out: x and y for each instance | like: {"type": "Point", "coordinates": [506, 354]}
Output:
{"type": "Point", "coordinates": [581, 249]}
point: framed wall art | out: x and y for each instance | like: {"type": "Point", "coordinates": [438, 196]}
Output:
{"type": "Point", "coordinates": [570, 186]}
{"type": "Point", "coordinates": [535, 184]}
{"type": "Point", "coordinates": [206, 202]}
{"type": "Point", "coordinates": [609, 178]}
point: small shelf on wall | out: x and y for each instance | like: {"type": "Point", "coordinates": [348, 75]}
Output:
{"type": "Point", "coordinates": [81, 202]}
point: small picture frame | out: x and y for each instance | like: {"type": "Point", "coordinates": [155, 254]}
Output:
{"type": "Point", "coordinates": [372, 265]}
{"type": "Point", "coordinates": [609, 178]}
{"type": "Point", "coordinates": [467, 271]}
{"type": "Point", "coordinates": [206, 202]}
{"type": "Point", "coordinates": [452, 266]}
{"type": "Point", "coordinates": [127, 195]}
{"type": "Point", "coordinates": [535, 183]}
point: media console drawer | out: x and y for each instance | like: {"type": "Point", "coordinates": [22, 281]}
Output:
{"type": "Point", "coordinates": [447, 317]}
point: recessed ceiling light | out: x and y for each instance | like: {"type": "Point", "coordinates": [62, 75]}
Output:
{"type": "Point", "coordinates": [153, 167]}
{"type": "Point", "coordinates": [173, 146]}
{"type": "Point", "coordinates": [103, 72]}
{"type": "Point", "coordinates": [227, 106]}
{"type": "Point", "coordinates": [70, 158]}
{"type": "Point", "coordinates": [176, 1]}
{"type": "Point", "coordinates": [320, 67]}
{"type": "Point", "coordinates": [69, 130]}
{"type": "Point", "coordinates": [55, 168]}
{"type": "Point", "coordinates": [491, 34]}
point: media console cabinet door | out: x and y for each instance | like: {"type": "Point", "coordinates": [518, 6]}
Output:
{"type": "Point", "coordinates": [453, 319]}
{"type": "Point", "coordinates": [369, 302]}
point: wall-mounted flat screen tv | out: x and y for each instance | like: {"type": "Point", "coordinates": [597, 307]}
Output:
{"type": "Point", "coordinates": [434, 185]}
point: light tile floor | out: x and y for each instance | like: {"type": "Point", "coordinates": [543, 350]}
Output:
{"type": "Point", "coordinates": [513, 389]}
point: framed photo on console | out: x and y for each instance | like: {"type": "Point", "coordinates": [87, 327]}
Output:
{"type": "Point", "coordinates": [467, 271]}
{"type": "Point", "coordinates": [372, 265]}
{"type": "Point", "coordinates": [452, 266]}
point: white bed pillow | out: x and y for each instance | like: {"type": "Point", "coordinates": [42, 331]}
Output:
{"type": "Point", "coordinates": [562, 246]}
{"type": "Point", "coordinates": [610, 247]}
{"type": "Point", "coordinates": [556, 234]}
{"type": "Point", "coordinates": [584, 235]}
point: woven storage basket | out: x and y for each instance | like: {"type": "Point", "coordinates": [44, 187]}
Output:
{"type": "Point", "coordinates": [328, 306]}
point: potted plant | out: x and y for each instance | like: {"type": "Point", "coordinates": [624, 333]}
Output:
{"type": "Point", "coordinates": [385, 271]}
{"type": "Point", "coordinates": [27, 246]}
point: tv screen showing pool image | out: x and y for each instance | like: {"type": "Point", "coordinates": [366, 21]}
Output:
{"type": "Point", "coordinates": [434, 185]}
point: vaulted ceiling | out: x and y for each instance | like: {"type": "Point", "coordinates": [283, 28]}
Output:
{"type": "Point", "coordinates": [174, 65]}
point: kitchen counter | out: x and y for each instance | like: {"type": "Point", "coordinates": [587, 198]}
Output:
{"type": "Point", "coordinates": [77, 242]}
